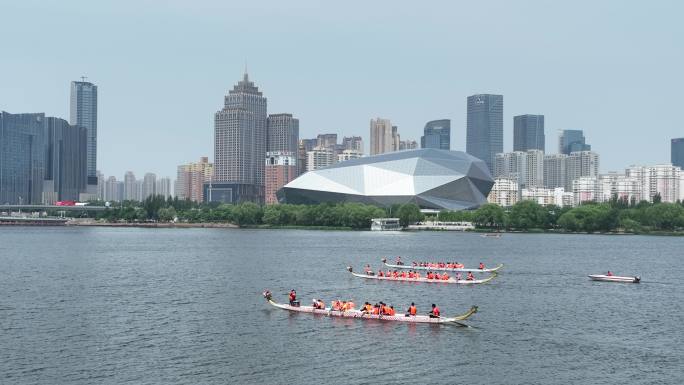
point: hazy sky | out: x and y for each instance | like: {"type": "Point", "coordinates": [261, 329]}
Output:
{"type": "Point", "coordinates": [611, 68]}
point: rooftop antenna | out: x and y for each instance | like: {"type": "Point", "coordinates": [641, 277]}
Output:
{"type": "Point", "coordinates": [84, 78]}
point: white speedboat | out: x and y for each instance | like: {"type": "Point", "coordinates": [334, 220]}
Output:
{"type": "Point", "coordinates": [614, 278]}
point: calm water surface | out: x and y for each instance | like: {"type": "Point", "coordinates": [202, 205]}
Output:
{"type": "Point", "coordinates": [184, 306]}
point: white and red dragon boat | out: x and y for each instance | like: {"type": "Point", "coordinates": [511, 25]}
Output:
{"type": "Point", "coordinates": [424, 279]}
{"type": "Point", "coordinates": [358, 314]}
{"type": "Point", "coordinates": [614, 278]}
{"type": "Point", "coordinates": [454, 269]}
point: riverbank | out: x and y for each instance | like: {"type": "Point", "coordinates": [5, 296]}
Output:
{"type": "Point", "coordinates": [161, 225]}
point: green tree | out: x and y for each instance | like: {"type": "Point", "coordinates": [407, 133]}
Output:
{"type": "Point", "coordinates": [247, 213]}
{"type": "Point", "coordinates": [489, 215]}
{"type": "Point", "coordinates": [409, 214]}
{"type": "Point", "coordinates": [527, 214]}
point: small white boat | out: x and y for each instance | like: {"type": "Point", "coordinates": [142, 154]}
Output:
{"type": "Point", "coordinates": [491, 235]}
{"type": "Point", "coordinates": [614, 278]}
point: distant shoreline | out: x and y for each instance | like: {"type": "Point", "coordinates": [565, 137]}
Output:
{"type": "Point", "coordinates": [153, 225]}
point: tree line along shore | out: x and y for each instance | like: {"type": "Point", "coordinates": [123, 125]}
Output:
{"type": "Point", "coordinates": [615, 216]}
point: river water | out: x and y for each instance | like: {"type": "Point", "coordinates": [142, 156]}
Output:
{"type": "Point", "coordinates": [184, 306]}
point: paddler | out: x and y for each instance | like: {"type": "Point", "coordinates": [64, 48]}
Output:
{"type": "Point", "coordinates": [412, 311]}
{"type": "Point", "coordinates": [434, 313]}
{"type": "Point", "coordinates": [293, 297]}
{"type": "Point", "coordinates": [470, 276]}
{"type": "Point", "coordinates": [445, 276]}
{"type": "Point", "coordinates": [482, 266]}
{"type": "Point", "coordinates": [609, 274]}
{"type": "Point", "coordinates": [398, 261]}
{"type": "Point", "coordinates": [367, 269]}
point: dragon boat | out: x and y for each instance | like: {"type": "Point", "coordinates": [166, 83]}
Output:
{"type": "Point", "coordinates": [454, 269]}
{"type": "Point", "coordinates": [424, 279]}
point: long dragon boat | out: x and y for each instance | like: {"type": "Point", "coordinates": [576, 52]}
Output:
{"type": "Point", "coordinates": [361, 315]}
{"type": "Point", "coordinates": [454, 269]}
{"type": "Point", "coordinates": [424, 279]}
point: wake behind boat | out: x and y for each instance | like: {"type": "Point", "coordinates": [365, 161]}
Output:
{"type": "Point", "coordinates": [354, 313]}
{"type": "Point", "coordinates": [434, 267]}
{"type": "Point", "coordinates": [614, 278]}
{"type": "Point", "coordinates": [437, 279]}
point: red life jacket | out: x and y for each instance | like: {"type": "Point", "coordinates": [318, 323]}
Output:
{"type": "Point", "coordinates": [435, 311]}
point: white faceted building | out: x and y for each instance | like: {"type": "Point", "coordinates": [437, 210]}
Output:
{"type": "Point", "coordinates": [430, 178]}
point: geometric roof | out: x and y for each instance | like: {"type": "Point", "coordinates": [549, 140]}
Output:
{"type": "Point", "coordinates": [431, 178]}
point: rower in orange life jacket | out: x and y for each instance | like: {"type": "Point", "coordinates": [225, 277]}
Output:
{"type": "Point", "coordinates": [412, 309]}
{"type": "Point", "coordinates": [376, 309]}
{"type": "Point", "coordinates": [392, 312]}
{"type": "Point", "coordinates": [434, 313]}
{"type": "Point", "coordinates": [470, 276]}
{"type": "Point", "coordinates": [445, 276]}
{"type": "Point", "coordinates": [482, 266]}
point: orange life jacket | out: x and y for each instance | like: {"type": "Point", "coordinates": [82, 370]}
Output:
{"type": "Point", "coordinates": [412, 310]}
{"type": "Point", "coordinates": [376, 310]}
{"type": "Point", "coordinates": [368, 307]}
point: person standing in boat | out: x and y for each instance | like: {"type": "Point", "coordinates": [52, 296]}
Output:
{"type": "Point", "coordinates": [293, 298]}
{"type": "Point", "coordinates": [434, 313]}
{"type": "Point", "coordinates": [398, 261]}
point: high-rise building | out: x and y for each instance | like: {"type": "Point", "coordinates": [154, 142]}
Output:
{"type": "Point", "coordinates": [83, 112]}
{"type": "Point", "coordinates": [327, 141]}
{"type": "Point", "coordinates": [130, 187]}
{"type": "Point", "coordinates": [22, 158]}
{"type": "Point", "coordinates": [677, 152]}
{"type": "Point", "coordinates": [281, 169]}
{"type": "Point", "coordinates": [163, 187]}
{"type": "Point", "coordinates": [408, 144]}
{"type": "Point", "coordinates": [572, 141]}
{"type": "Point", "coordinates": [283, 133]}
{"type": "Point", "coordinates": [100, 186]}
{"type": "Point", "coordinates": [112, 189]}
{"type": "Point", "coordinates": [191, 178]}
{"type": "Point", "coordinates": [437, 134]}
{"type": "Point", "coordinates": [504, 192]}
{"type": "Point", "coordinates": [66, 161]}
{"type": "Point", "coordinates": [240, 145]}
{"type": "Point", "coordinates": [585, 189]}
{"type": "Point", "coordinates": [582, 164]}
{"type": "Point", "coordinates": [484, 128]}
{"type": "Point", "coordinates": [353, 143]}
{"type": "Point", "coordinates": [319, 157]}
{"type": "Point", "coordinates": [661, 179]}
{"type": "Point", "coordinates": [149, 186]}
{"type": "Point", "coordinates": [555, 172]}
{"type": "Point", "coordinates": [305, 145]}
{"type": "Point", "coordinates": [383, 136]}
{"type": "Point", "coordinates": [528, 133]}
{"type": "Point", "coordinates": [526, 167]}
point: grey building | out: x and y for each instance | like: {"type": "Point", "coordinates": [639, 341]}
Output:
{"type": "Point", "coordinates": [240, 145]}
{"type": "Point", "coordinates": [555, 171]}
{"type": "Point", "coordinates": [484, 128]}
{"type": "Point", "coordinates": [528, 133]}
{"type": "Point", "coordinates": [84, 113]}
{"type": "Point", "coordinates": [66, 170]}
{"type": "Point", "coordinates": [677, 152]}
{"type": "Point", "coordinates": [283, 133]}
{"type": "Point", "coordinates": [572, 141]}
{"type": "Point", "coordinates": [431, 178]}
{"type": "Point", "coordinates": [22, 158]}
{"type": "Point", "coordinates": [305, 145]}
{"type": "Point", "coordinates": [437, 134]}
{"type": "Point", "coordinates": [353, 143]}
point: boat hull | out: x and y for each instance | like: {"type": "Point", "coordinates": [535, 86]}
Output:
{"type": "Point", "coordinates": [426, 280]}
{"type": "Point", "coordinates": [456, 270]}
{"type": "Point", "coordinates": [360, 315]}
{"type": "Point", "coordinates": [614, 278]}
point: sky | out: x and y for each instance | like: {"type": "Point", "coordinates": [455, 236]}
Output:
{"type": "Point", "coordinates": [611, 68]}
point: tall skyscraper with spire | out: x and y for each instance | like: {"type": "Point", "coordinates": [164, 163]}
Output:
{"type": "Point", "coordinates": [239, 146]}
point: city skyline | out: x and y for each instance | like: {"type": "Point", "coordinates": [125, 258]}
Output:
{"type": "Point", "coordinates": [598, 58]}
